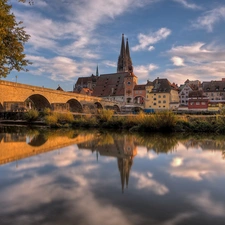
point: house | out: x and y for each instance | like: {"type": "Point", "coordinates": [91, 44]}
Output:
{"type": "Point", "coordinates": [198, 101]}
{"type": "Point", "coordinates": [161, 94]}
{"type": "Point", "coordinates": [214, 90]}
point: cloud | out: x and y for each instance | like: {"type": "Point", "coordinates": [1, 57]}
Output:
{"type": "Point", "coordinates": [110, 63]}
{"type": "Point", "coordinates": [147, 182]}
{"type": "Point", "coordinates": [146, 41]}
{"type": "Point", "coordinates": [59, 68]}
{"type": "Point", "coordinates": [188, 5]}
{"type": "Point", "coordinates": [177, 61]}
{"type": "Point", "coordinates": [205, 203]}
{"type": "Point", "coordinates": [143, 71]}
{"type": "Point", "coordinates": [201, 62]}
{"type": "Point", "coordinates": [209, 19]}
{"type": "Point", "coordinates": [176, 162]}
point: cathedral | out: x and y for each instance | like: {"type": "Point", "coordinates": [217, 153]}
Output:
{"type": "Point", "coordinates": [117, 86]}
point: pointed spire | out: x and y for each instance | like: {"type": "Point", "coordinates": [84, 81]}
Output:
{"type": "Point", "coordinates": [122, 60]}
{"type": "Point", "coordinates": [129, 61]}
{"type": "Point", "coordinates": [97, 74]}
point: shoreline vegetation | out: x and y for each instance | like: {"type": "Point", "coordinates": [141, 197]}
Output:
{"type": "Point", "coordinates": [162, 121]}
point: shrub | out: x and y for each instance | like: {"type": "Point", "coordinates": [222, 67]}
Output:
{"type": "Point", "coordinates": [51, 120]}
{"type": "Point", "coordinates": [65, 117]}
{"type": "Point", "coordinates": [32, 115]}
{"type": "Point", "coordinates": [105, 115]}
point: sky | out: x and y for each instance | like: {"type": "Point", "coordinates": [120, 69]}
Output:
{"type": "Point", "coordinates": [173, 39]}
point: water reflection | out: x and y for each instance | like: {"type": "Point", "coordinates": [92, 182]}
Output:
{"type": "Point", "coordinates": [76, 177]}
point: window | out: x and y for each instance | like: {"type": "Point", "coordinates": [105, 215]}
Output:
{"type": "Point", "coordinates": [154, 99]}
{"type": "Point", "coordinates": [203, 103]}
{"type": "Point", "coordinates": [159, 96]}
{"type": "Point", "coordinates": [159, 101]}
{"type": "Point", "coordinates": [197, 103]}
{"type": "Point", "coordinates": [164, 101]}
{"type": "Point", "coordinates": [128, 82]}
{"type": "Point", "coordinates": [154, 104]}
{"type": "Point", "coordinates": [164, 96]}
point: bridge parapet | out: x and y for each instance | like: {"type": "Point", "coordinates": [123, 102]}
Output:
{"type": "Point", "coordinates": [13, 92]}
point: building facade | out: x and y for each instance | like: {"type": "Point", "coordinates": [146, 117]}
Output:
{"type": "Point", "coordinates": [161, 94]}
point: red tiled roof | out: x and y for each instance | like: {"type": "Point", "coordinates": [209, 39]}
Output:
{"type": "Point", "coordinates": [110, 85]}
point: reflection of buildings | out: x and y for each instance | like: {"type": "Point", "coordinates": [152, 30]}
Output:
{"type": "Point", "coordinates": [122, 148]}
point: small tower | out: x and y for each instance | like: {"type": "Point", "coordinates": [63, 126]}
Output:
{"type": "Point", "coordinates": [130, 80]}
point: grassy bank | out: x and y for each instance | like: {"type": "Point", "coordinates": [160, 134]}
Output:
{"type": "Point", "coordinates": [164, 121]}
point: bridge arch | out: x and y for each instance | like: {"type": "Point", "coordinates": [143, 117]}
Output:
{"type": "Point", "coordinates": [98, 105]}
{"type": "Point", "coordinates": [116, 108]}
{"type": "Point", "coordinates": [75, 105]}
{"type": "Point", "coordinates": [1, 107]}
{"type": "Point", "coordinates": [37, 101]}
{"type": "Point", "coordinates": [37, 140]}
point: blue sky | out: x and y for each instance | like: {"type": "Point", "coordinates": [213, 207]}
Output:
{"type": "Point", "coordinates": [173, 39]}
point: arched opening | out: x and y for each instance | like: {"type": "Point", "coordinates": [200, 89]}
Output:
{"type": "Point", "coordinates": [139, 100]}
{"type": "Point", "coordinates": [75, 105]}
{"type": "Point", "coordinates": [1, 108]}
{"type": "Point", "coordinates": [38, 102]}
{"type": "Point", "coordinates": [98, 105]}
{"type": "Point", "coordinates": [37, 140]}
{"type": "Point", "coordinates": [116, 108]}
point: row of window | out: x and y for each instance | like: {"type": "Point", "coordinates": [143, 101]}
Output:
{"type": "Point", "coordinates": [197, 103]}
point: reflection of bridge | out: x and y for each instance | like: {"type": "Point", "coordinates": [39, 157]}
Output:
{"type": "Point", "coordinates": [16, 96]}
{"type": "Point", "coordinates": [11, 150]}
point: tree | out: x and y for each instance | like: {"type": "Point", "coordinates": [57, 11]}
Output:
{"type": "Point", "coordinates": [12, 40]}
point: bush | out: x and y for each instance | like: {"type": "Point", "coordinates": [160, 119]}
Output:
{"type": "Point", "coordinates": [32, 115]}
{"type": "Point", "coordinates": [58, 119]}
{"type": "Point", "coordinates": [105, 115]}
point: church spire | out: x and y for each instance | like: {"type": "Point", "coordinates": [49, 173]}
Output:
{"type": "Point", "coordinates": [97, 74]}
{"type": "Point", "coordinates": [129, 61]}
{"type": "Point", "coordinates": [122, 60]}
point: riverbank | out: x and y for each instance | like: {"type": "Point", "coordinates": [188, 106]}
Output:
{"type": "Point", "coordinates": [164, 121]}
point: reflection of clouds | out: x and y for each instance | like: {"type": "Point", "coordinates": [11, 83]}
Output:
{"type": "Point", "coordinates": [196, 164]}
{"type": "Point", "coordinates": [69, 155]}
{"type": "Point", "coordinates": [177, 162]}
{"type": "Point", "coordinates": [74, 199]}
{"type": "Point", "coordinates": [206, 204]}
{"type": "Point", "coordinates": [144, 153]}
{"type": "Point", "coordinates": [147, 182]}
{"type": "Point", "coordinates": [179, 218]}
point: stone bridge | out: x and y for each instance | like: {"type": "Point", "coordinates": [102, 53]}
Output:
{"type": "Point", "coordinates": [21, 97]}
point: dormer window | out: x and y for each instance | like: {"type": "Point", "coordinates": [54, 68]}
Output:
{"type": "Point", "coordinates": [207, 89]}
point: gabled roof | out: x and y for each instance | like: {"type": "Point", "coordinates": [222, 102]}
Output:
{"type": "Point", "coordinates": [163, 85]}
{"type": "Point", "coordinates": [110, 85]}
{"type": "Point", "coordinates": [84, 80]}
{"type": "Point", "coordinates": [213, 86]}
{"type": "Point", "coordinates": [59, 89]}
{"type": "Point", "coordinates": [196, 94]}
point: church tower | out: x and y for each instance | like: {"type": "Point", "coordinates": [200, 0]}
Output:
{"type": "Point", "coordinates": [124, 61]}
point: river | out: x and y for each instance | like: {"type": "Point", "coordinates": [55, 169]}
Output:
{"type": "Point", "coordinates": [92, 177]}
